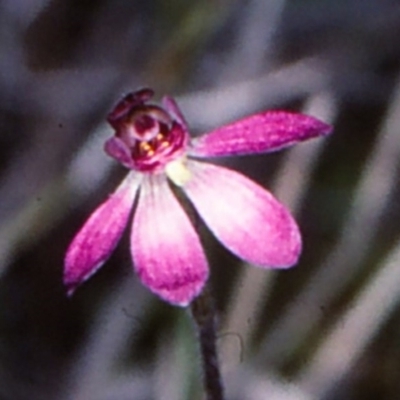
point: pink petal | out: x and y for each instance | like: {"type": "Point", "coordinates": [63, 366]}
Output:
{"type": "Point", "coordinates": [173, 109]}
{"type": "Point", "coordinates": [165, 248]}
{"type": "Point", "coordinates": [266, 132]}
{"type": "Point", "coordinates": [247, 219]}
{"type": "Point", "coordinates": [118, 150]}
{"type": "Point", "coordinates": [99, 235]}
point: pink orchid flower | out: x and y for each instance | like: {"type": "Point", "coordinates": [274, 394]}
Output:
{"type": "Point", "coordinates": [154, 143]}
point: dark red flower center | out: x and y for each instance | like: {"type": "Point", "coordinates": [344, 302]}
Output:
{"type": "Point", "coordinates": [148, 133]}
{"type": "Point", "coordinates": [144, 123]}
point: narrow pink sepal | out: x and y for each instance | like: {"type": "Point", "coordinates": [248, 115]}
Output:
{"type": "Point", "coordinates": [265, 132]}
{"type": "Point", "coordinates": [173, 109]}
{"type": "Point", "coordinates": [246, 218]}
{"type": "Point", "coordinates": [166, 250]}
{"type": "Point", "coordinates": [118, 150]}
{"type": "Point", "coordinates": [100, 234]}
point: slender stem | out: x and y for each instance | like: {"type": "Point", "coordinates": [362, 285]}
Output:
{"type": "Point", "coordinates": [203, 312]}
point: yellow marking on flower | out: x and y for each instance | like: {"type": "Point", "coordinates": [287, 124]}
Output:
{"type": "Point", "coordinates": [146, 148]}
{"type": "Point", "coordinates": [178, 172]}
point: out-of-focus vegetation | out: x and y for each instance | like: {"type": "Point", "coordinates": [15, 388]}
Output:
{"type": "Point", "coordinates": [327, 329]}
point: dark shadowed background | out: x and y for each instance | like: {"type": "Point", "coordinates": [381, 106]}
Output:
{"type": "Point", "coordinates": [328, 329]}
